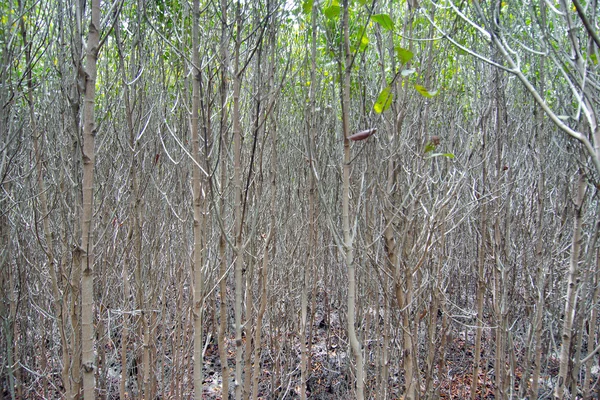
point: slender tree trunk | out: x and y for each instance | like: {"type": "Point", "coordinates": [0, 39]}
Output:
{"type": "Point", "coordinates": [501, 242]}
{"type": "Point", "coordinates": [392, 265]}
{"type": "Point", "coordinates": [176, 379]}
{"type": "Point", "coordinates": [578, 327]}
{"type": "Point", "coordinates": [257, 128]}
{"type": "Point", "coordinates": [586, 317]}
{"type": "Point", "coordinates": [249, 303]}
{"type": "Point", "coordinates": [75, 350]}
{"type": "Point", "coordinates": [87, 251]}
{"type": "Point", "coordinates": [263, 290]}
{"type": "Point", "coordinates": [8, 316]}
{"type": "Point", "coordinates": [382, 391]}
{"type": "Point", "coordinates": [223, 312]}
{"type": "Point", "coordinates": [75, 278]}
{"type": "Point", "coordinates": [591, 331]}
{"type": "Point", "coordinates": [391, 248]}
{"type": "Point", "coordinates": [303, 321]}
{"type": "Point", "coordinates": [433, 350]}
{"type": "Point", "coordinates": [348, 239]}
{"type": "Point", "coordinates": [198, 280]}
{"type": "Point", "coordinates": [405, 298]}
{"type": "Point", "coordinates": [481, 286]}
{"type": "Point", "coordinates": [237, 201]}
{"type": "Point", "coordinates": [224, 53]}
{"type": "Point", "coordinates": [134, 227]}
{"type": "Point", "coordinates": [572, 288]}
{"type": "Point", "coordinates": [124, 333]}
{"type": "Point", "coordinates": [310, 254]}
{"type": "Point", "coordinates": [535, 345]}
{"type": "Point", "coordinates": [541, 273]}
{"type": "Point", "coordinates": [264, 268]}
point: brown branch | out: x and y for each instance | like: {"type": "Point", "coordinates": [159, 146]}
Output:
{"type": "Point", "coordinates": [586, 23]}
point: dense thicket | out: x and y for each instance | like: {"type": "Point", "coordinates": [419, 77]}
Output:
{"type": "Point", "coordinates": [184, 209]}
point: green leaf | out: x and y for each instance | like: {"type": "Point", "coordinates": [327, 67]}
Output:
{"type": "Point", "coordinates": [404, 55]}
{"type": "Point", "coordinates": [447, 155]}
{"type": "Point", "coordinates": [333, 11]}
{"type": "Point", "coordinates": [307, 6]}
{"type": "Point", "coordinates": [384, 20]}
{"type": "Point", "coordinates": [408, 72]}
{"type": "Point", "coordinates": [429, 147]}
{"type": "Point", "coordinates": [424, 92]}
{"type": "Point", "coordinates": [364, 42]}
{"type": "Point", "coordinates": [384, 101]}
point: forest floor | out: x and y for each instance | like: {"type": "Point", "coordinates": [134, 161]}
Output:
{"type": "Point", "coordinates": [330, 373]}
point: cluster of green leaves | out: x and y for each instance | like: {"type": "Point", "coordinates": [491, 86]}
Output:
{"type": "Point", "coordinates": [361, 28]}
{"type": "Point", "coordinates": [403, 58]}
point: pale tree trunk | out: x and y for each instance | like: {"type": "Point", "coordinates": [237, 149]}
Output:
{"type": "Point", "coordinates": [444, 340]}
{"type": "Point", "coordinates": [310, 254]}
{"type": "Point", "coordinates": [313, 245]}
{"type": "Point", "coordinates": [249, 303]}
{"type": "Point", "coordinates": [535, 343]}
{"type": "Point", "coordinates": [8, 314]}
{"type": "Point", "coordinates": [176, 380]}
{"type": "Point", "coordinates": [87, 254]}
{"type": "Point", "coordinates": [74, 370]}
{"type": "Point", "coordinates": [405, 285]}
{"type": "Point", "coordinates": [197, 292]}
{"type": "Point", "coordinates": [500, 281]}
{"type": "Point", "coordinates": [140, 285]}
{"type": "Point", "coordinates": [124, 332]}
{"type": "Point", "coordinates": [432, 311]}
{"type": "Point", "coordinates": [6, 286]}
{"type": "Point", "coordinates": [437, 293]}
{"type": "Point", "coordinates": [224, 54]}
{"type": "Point", "coordinates": [390, 220]}
{"type": "Point", "coordinates": [264, 269]}
{"type": "Point", "coordinates": [572, 288]}
{"type": "Point", "coordinates": [237, 204]}
{"type": "Point", "coordinates": [133, 227]}
{"type": "Point", "coordinates": [263, 277]}
{"type": "Point", "coordinates": [481, 283]}
{"type": "Point", "coordinates": [67, 288]}
{"type": "Point", "coordinates": [222, 337]}
{"type": "Point", "coordinates": [348, 237]}
{"type": "Point", "coordinates": [152, 384]}
{"type": "Point", "coordinates": [72, 293]}
{"type": "Point", "coordinates": [257, 83]}
{"type": "Point", "coordinates": [579, 327]}
{"type": "Point", "coordinates": [404, 275]}
{"type": "Point", "coordinates": [391, 249]}
{"type": "Point", "coordinates": [404, 298]}
{"type": "Point", "coordinates": [126, 291]}
{"type": "Point", "coordinates": [303, 323]}
{"type": "Point", "coordinates": [145, 367]}
{"type": "Point", "coordinates": [586, 318]}
{"type": "Point", "coordinates": [589, 361]}
{"type": "Point", "coordinates": [140, 290]}
{"type": "Point", "coordinates": [432, 319]}
{"type": "Point", "coordinates": [541, 273]}
{"type": "Point", "coordinates": [501, 244]}
{"type": "Point", "coordinates": [382, 392]}
{"type": "Point", "coordinates": [303, 320]}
